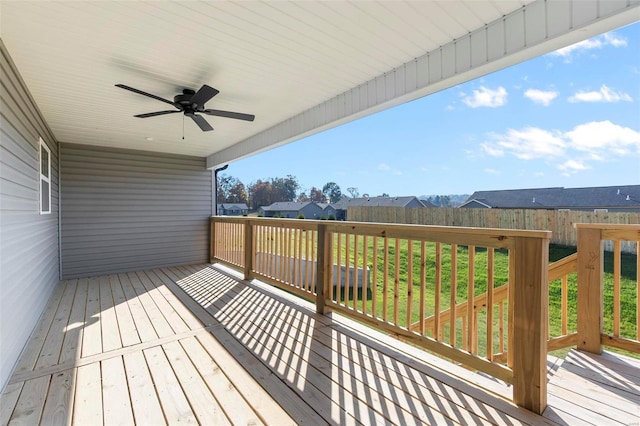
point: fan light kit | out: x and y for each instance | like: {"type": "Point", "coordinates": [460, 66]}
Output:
{"type": "Point", "coordinates": [191, 103]}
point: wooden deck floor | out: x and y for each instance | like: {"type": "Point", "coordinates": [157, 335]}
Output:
{"type": "Point", "coordinates": [196, 344]}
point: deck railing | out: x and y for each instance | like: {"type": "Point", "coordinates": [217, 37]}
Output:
{"type": "Point", "coordinates": [445, 289]}
{"type": "Point", "coordinates": [597, 326]}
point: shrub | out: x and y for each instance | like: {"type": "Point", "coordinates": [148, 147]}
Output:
{"type": "Point", "coordinates": [331, 217]}
{"type": "Point", "coordinates": [300, 216]}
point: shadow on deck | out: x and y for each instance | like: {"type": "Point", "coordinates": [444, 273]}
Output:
{"type": "Point", "coordinates": [196, 343]}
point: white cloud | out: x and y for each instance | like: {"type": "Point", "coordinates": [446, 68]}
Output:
{"type": "Point", "coordinates": [528, 143]}
{"type": "Point", "coordinates": [608, 39]}
{"type": "Point", "coordinates": [613, 39]}
{"type": "Point", "coordinates": [572, 165]}
{"type": "Point", "coordinates": [605, 94]}
{"type": "Point", "coordinates": [486, 97]}
{"type": "Point", "coordinates": [492, 150]}
{"type": "Point", "coordinates": [601, 139]}
{"type": "Point", "coordinates": [383, 167]}
{"type": "Point", "coordinates": [570, 151]}
{"type": "Point", "coordinates": [541, 96]}
{"type": "Point", "coordinates": [492, 171]}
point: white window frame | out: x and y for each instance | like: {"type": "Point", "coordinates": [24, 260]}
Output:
{"type": "Point", "coordinates": [42, 145]}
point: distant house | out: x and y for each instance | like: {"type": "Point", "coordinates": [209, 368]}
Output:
{"type": "Point", "coordinates": [328, 210]}
{"type": "Point", "coordinates": [344, 203]}
{"type": "Point", "coordinates": [604, 198]}
{"type": "Point", "coordinates": [292, 209]}
{"type": "Point", "coordinates": [232, 209]}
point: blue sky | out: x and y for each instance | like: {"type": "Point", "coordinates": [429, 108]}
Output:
{"type": "Point", "coordinates": [569, 118]}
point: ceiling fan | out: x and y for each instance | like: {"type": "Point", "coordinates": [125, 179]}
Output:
{"type": "Point", "coordinates": [191, 103]}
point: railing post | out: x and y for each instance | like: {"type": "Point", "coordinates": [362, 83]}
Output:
{"type": "Point", "coordinates": [248, 250]}
{"type": "Point", "coordinates": [530, 323]}
{"type": "Point", "coordinates": [590, 289]}
{"type": "Point", "coordinates": [322, 269]}
{"type": "Point", "coordinates": [212, 239]}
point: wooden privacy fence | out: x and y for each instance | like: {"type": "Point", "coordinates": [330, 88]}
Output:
{"type": "Point", "coordinates": [476, 296]}
{"type": "Point", "coordinates": [560, 223]}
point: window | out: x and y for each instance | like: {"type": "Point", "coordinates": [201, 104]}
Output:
{"type": "Point", "coordinates": [45, 178]}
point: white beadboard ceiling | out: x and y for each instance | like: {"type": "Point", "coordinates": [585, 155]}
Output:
{"type": "Point", "coordinates": [274, 59]}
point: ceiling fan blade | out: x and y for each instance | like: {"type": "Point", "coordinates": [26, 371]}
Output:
{"type": "Point", "coordinates": [203, 95]}
{"type": "Point", "coordinates": [153, 114]}
{"type": "Point", "coordinates": [201, 122]}
{"type": "Point", "coordinates": [229, 114]}
{"type": "Point", "coordinates": [140, 92]}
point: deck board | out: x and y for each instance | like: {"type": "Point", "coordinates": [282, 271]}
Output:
{"type": "Point", "coordinates": [196, 344]}
{"type": "Point", "coordinates": [144, 400]}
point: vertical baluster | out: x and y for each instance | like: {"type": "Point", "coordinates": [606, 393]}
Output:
{"type": "Point", "coordinates": [453, 291]}
{"type": "Point", "coordinates": [272, 272]}
{"type": "Point", "coordinates": [638, 290]}
{"type": "Point", "coordinates": [385, 281]}
{"type": "Point", "coordinates": [355, 271]}
{"type": "Point", "coordinates": [347, 269]}
{"type": "Point", "coordinates": [464, 328]}
{"type": "Point", "coordinates": [365, 273]}
{"type": "Point", "coordinates": [437, 328]}
{"type": "Point", "coordinates": [396, 280]}
{"type": "Point", "coordinates": [471, 337]}
{"type": "Point", "coordinates": [423, 284]}
{"type": "Point", "coordinates": [409, 282]}
{"type": "Point", "coordinates": [314, 255]}
{"type": "Point", "coordinates": [565, 304]}
{"type": "Point", "coordinates": [374, 279]}
{"type": "Point", "coordinates": [501, 327]}
{"type": "Point", "coordinates": [339, 269]}
{"type": "Point", "coordinates": [329, 243]}
{"type": "Point", "coordinates": [616, 288]}
{"type": "Point", "coordinates": [308, 269]}
{"type": "Point", "coordinates": [298, 244]}
{"type": "Point", "coordinates": [490, 286]}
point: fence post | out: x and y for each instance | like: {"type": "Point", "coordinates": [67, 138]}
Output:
{"type": "Point", "coordinates": [530, 323]}
{"type": "Point", "coordinates": [322, 269]}
{"type": "Point", "coordinates": [590, 289]}
{"type": "Point", "coordinates": [212, 240]}
{"type": "Point", "coordinates": [248, 250]}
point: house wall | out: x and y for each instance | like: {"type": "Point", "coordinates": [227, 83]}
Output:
{"type": "Point", "coordinates": [128, 210]}
{"type": "Point", "coordinates": [29, 268]}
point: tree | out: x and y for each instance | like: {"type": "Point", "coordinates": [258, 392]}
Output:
{"type": "Point", "coordinates": [230, 190]}
{"type": "Point", "coordinates": [302, 197]}
{"type": "Point", "coordinates": [353, 191]}
{"type": "Point", "coordinates": [259, 194]}
{"type": "Point", "coordinates": [332, 192]}
{"type": "Point", "coordinates": [237, 193]}
{"type": "Point", "coordinates": [316, 195]}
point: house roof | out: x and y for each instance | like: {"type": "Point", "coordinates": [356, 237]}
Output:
{"type": "Point", "coordinates": [300, 67]}
{"type": "Point", "coordinates": [375, 201]}
{"type": "Point", "coordinates": [229, 206]}
{"type": "Point", "coordinates": [559, 197]}
{"type": "Point", "coordinates": [282, 206]}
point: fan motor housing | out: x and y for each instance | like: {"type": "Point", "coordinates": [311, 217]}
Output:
{"type": "Point", "coordinates": [185, 97]}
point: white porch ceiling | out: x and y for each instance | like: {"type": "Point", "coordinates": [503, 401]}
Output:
{"type": "Point", "coordinates": [295, 65]}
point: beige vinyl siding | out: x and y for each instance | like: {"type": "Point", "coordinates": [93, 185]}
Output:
{"type": "Point", "coordinates": [128, 210]}
{"type": "Point", "coordinates": [29, 257]}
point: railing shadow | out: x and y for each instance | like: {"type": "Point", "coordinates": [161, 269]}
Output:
{"type": "Point", "coordinates": [342, 375]}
